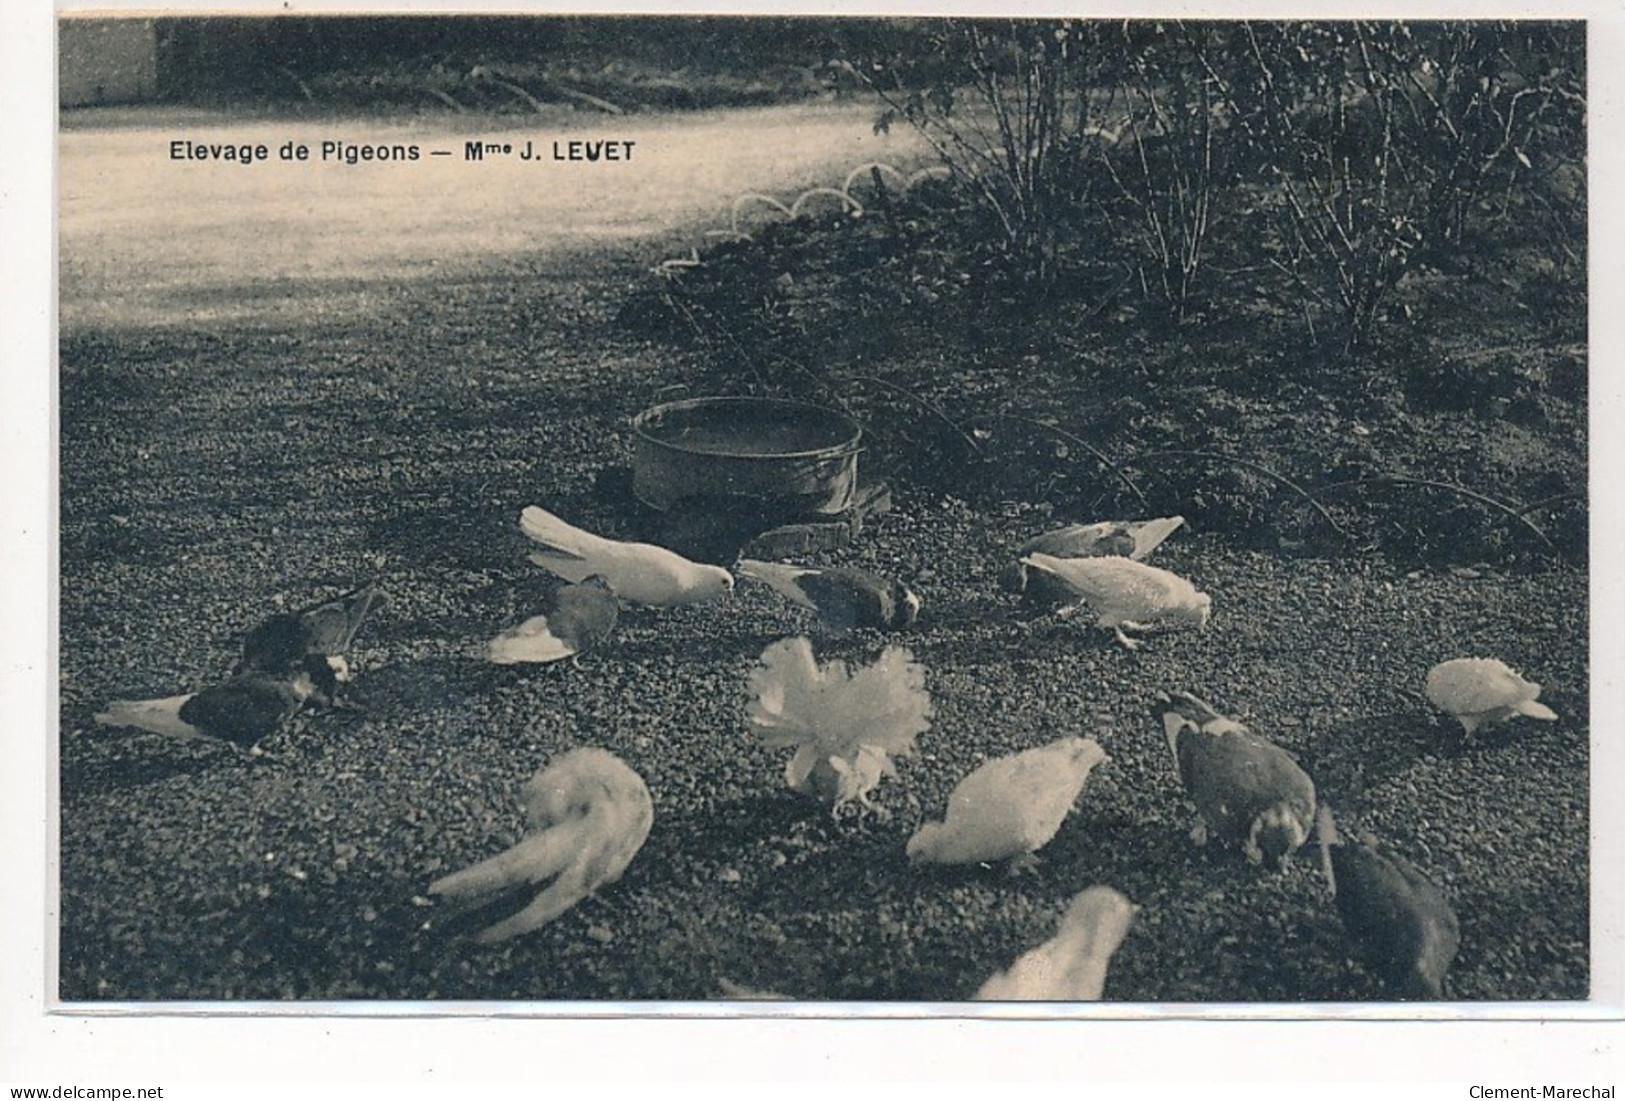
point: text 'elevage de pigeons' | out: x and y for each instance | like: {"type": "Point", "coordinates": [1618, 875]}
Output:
{"type": "Point", "coordinates": [576, 150]}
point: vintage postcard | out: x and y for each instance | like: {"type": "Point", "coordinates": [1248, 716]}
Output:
{"type": "Point", "coordinates": [904, 516]}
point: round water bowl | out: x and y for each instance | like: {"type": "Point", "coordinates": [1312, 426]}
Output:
{"type": "Point", "coordinates": [787, 453]}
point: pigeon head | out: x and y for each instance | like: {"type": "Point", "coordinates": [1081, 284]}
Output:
{"type": "Point", "coordinates": [1185, 707]}
{"type": "Point", "coordinates": [318, 678]}
{"type": "Point", "coordinates": [1275, 835]}
{"type": "Point", "coordinates": [1173, 724]}
{"type": "Point", "coordinates": [1198, 611]}
{"type": "Point", "coordinates": [922, 847]}
{"type": "Point", "coordinates": [906, 604]}
{"type": "Point", "coordinates": [710, 582]}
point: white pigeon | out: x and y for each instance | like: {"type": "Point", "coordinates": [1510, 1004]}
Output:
{"type": "Point", "coordinates": [1129, 538]}
{"type": "Point", "coordinates": [1009, 807]}
{"type": "Point", "coordinates": [845, 724]}
{"type": "Point", "coordinates": [1126, 593]}
{"type": "Point", "coordinates": [640, 573]}
{"type": "Point", "coordinates": [1071, 966]}
{"type": "Point", "coordinates": [1479, 691]}
{"type": "Point", "coordinates": [587, 814]}
{"type": "Point", "coordinates": [1134, 539]}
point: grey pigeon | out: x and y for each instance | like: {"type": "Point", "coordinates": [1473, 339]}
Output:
{"type": "Point", "coordinates": [1248, 791]}
{"type": "Point", "coordinates": [327, 629]}
{"type": "Point", "coordinates": [582, 616]}
{"type": "Point", "coordinates": [1399, 920]}
{"type": "Point", "coordinates": [243, 710]}
{"type": "Point", "coordinates": [844, 598]}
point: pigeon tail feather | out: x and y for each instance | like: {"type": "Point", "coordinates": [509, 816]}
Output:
{"type": "Point", "coordinates": [160, 716]}
{"type": "Point", "coordinates": [1326, 834]}
{"type": "Point", "coordinates": [1537, 710]}
{"type": "Point", "coordinates": [555, 534]}
{"type": "Point", "coordinates": [531, 641]}
{"type": "Point", "coordinates": [1151, 535]}
{"type": "Point", "coordinates": [827, 711]}
{"type": "Point", "coordinates": [539, 856]}
{"type": "Point", "coordinates": [779, 577]}
{"type": "Point", "coordinates": [556, 899]}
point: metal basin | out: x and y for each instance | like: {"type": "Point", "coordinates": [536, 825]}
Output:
{"type": "Point", "coordinates": [784, 453]}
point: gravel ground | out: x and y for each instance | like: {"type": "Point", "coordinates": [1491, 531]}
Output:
{"type": "Point", "coordinates": [209, 477]}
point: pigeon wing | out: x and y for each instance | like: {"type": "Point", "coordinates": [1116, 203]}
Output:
{"type": "Point", "coordinates": [786, 580]}
{"type": "Point", "coordinates": [585, 615]}
{"type": "Point", "coordinates": [1399, 919]}
{"type": "Point", "coordinates": [334, 623]}
{"type": "Point", "coordinates": [849, 598]}
{"type": "Point", "coordinates": [1471, 686]}
{"type": "Point", "coordinates": [244, 709]}
{"type": "Point", "coordinates": [1015, 804]}
{"type": "Point", "coordinates": [532, 641]}
{"type": "Point", "coordinates": [1236, 775]}
{"type": "Point", "coordinates": [986, 819]}
{"type": "Point", "coordinates": [1081, 541]}
{"type": "Point", "coordinates": [277, 644]}
{"type": "Point", "coordinates": [1120, 590]}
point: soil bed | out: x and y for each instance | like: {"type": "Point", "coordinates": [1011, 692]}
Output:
{"type": "Point", "coordinates": [212, 475]}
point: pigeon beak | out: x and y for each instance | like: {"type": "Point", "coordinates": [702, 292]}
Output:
{"type": "Point", "coordinates": [1172, 724]}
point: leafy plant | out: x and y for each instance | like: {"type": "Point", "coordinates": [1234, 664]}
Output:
{"type": "Point", "coordinates": [1008, 107]}
{"type": "Point", "coordinates": [1383, 140]}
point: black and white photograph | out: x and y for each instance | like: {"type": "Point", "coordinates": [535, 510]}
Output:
{"type": "Point", "coordinates": [1008, 516]}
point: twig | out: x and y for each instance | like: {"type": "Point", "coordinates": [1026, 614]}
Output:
{"type": "Point", "coordinates": [1256, 468]}
{"type": "Point", "coordinates": [1071, 437]}
{"type": "Point", "coordinates": [447, 99]}
{"type": "Point", "coordinates": [1517, 514]}
{"type": "Point", "coordinates": [1547, 502]}
{"type": "Point", "coordinates": [535, 104]}
{"type": "Point", "coordinates": [936, 410]}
